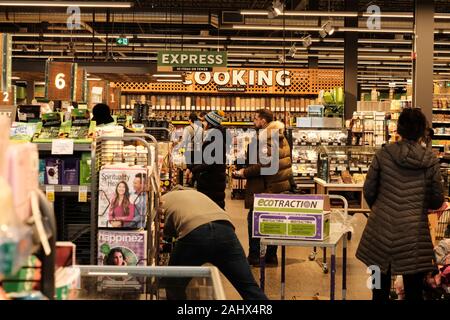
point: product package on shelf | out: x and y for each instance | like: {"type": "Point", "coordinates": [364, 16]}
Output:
{"type": "Point", "coordinates": [49, 128]}
{"type": "Point", "coordinates": [79, 128]}
{"type": "Point", "coordinates": [123, 197]}
{"type": "Point", "coordinates": [23, 131]}
{"type": "Point", "coordinates": [122, 248]}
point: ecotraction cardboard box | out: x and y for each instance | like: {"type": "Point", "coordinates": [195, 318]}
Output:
{"type": "Point", "coordinates": [297, 217]}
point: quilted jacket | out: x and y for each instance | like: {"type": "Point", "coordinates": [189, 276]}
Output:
{"type": "Point", "coordinates": [403, 182]}
{"type": "Point", "coordinates": [269, 183]}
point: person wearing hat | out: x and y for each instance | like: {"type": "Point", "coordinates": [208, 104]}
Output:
{"type": "Point", "coordinates": [210, 174]}
{"type": "Point", "coordinates": [102, 114]}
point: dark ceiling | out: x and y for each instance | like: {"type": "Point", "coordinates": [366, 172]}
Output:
{"type": "Point", "coordinates": [39, 33]}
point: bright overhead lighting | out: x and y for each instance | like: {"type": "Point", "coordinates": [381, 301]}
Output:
{"type": "Point", "coordinates": [270, 27]}
{"type": "Point", "coordinates": [301, 13]}
{"type": "Point", "coordinates": [39, 83]}
{"type": "Point", "coordinates": [169, 80]}
{"type": "Point", "coordinates": [389, 15]}
{"type": "Point", "coordinates": [181, 37]}
{"type": "Point", "coordinates": [441, 16]}
{"type": "Point", "coordinates": [384, 41]}
{"type": "Point", "coordinates": [81, 4]}
{"type": "Point", "coordinates": [93, 79]}
{"type": "Point", "coordinates": [345, 29]}
{"type": "Point", "coordinates": [15, 78]}
{"type": "Point", "coordinates": [167, 75]}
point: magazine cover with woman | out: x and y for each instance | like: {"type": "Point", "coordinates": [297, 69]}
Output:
{"type": "Point", "coordinates": [123, 199]}
{"type": "Point", "coordinates": [122, 248]}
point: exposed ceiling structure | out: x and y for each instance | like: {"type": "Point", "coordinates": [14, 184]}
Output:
{"type": "Point", "coordinates": [242, 28]}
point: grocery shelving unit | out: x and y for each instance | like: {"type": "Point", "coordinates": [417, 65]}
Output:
{"type": "Point", "coordinates": [72, 217]}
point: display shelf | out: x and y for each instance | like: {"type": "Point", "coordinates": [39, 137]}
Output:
{"type": "Point", "coordinates": [438, 145]}
{"type": "Point", "coordinates": [440, 109]}
{"type": "Point", "coordinates": [64, 188]}
{"type": "Point", "coordinates": [442, 135]}
{"type": "Point", "coordinates": [223, 123]}
{"type": "Point", "coordinates": [76, 147]}
{"type": "Point", "coordinates": [441, 122]}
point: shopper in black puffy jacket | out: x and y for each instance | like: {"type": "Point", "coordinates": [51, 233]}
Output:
{"type": "Point", "coordinates": [403, 183]}
{"type": "Point", "coordinates": [211, 173]}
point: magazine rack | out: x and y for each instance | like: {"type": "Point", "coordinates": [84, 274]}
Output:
{"type": "Point", "coordinates": [153, 195]}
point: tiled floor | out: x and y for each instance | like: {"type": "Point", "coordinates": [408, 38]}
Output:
{"type": "Point", "coordinates": [304, 278]}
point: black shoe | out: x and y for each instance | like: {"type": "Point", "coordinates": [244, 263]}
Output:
{"type": "Point", "coordinates": [272, 261]}
{"type": "Point", "coordinates": [253, 261]}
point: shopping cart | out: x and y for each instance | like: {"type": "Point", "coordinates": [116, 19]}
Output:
{"type": "Point", "coordinates": [439, 222]}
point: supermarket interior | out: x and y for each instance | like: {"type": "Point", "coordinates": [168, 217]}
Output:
{"type": "Point", "coordinates": [105, 106]}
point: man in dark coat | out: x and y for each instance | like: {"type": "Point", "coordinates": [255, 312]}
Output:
{"type": "Point", "coordinates": [270, 153]}
{"type": "Point", "coordinates": [403, 183]}
{"type": "Point", "coordinates": [211, 173]}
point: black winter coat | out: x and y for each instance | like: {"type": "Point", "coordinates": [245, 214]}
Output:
{"type": "Point", "coordinates": [403, 182]}
{"type": "Point", "coordinates": [211, 178]}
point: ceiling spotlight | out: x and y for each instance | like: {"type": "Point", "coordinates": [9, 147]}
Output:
{"type": "Point", "coordinates": [276, 10]}
{"type": "Point", "coordinates": [292, 51]}
{"type": "Point", "coordinates": [327, 29]}
{"type": "Point", "coordinates": [307, 41]}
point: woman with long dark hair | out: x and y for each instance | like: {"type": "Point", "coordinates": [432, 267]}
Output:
{"type": "Point", "coordinates": [116, 257]}
{"type": "Point", "coordinates": [122, 210]}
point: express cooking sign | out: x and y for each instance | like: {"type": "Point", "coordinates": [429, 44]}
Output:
{"type": "Point", "coordinates": [191, 60]}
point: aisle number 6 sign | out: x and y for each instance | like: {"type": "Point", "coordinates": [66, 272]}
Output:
{"type": "Point", "coordinates": [60, 80]}
{"type": "Point", "coordinates": [60, 83]}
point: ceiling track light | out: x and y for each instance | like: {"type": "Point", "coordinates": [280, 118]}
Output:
{"type": "Point", "coordinates": [276, 9]}
{"type": "Point", "coordinates": [307, 41]}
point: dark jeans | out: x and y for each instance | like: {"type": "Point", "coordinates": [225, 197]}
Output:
{"type": "Point", "coordinates": [253, 243]}
{"type": "Point", "coordinates": [413, 285]}
{"type": "Point", "coordinates": [216, 243]}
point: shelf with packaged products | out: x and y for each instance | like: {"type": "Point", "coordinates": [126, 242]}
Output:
{"type": "Point", "coordinates": [81, 147]}
{"type": "Point", "coordinates": [65, 188]}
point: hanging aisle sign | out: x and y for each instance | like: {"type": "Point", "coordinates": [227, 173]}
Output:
{"type": "Point", "coordinates": [60, 80]}
{"type": "Point", "coordinates": [113, 97]}
{"type": "Point", "coordinates": [98, 92]}
{"type": "Point", "coordinates": [5, 61]}
{"type": "Point", "coordinates": [81, 85]}
{"type": "Point", "coordinates": [8, 98]}
{"type": "Point", "coordinates": [192, 60]}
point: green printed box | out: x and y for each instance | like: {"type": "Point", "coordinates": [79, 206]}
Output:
{"type": "Point", "coordinates": [291, 217]}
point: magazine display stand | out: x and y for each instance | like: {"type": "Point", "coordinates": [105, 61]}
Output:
{"type": "Point", "coordinates": [102, 151]}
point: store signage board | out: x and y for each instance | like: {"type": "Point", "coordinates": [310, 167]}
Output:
{"type": "Point", "coordinates": [5, 61]}
{"type": "Point", "coordinates": [62, 146]}
{"type": "Point", "coordinates": [191, 60]}
{"type": "Point", "coordinates": [81, 85]}
{"type": "Point", "coordinates": [8, 98]}
{"type": "Point", "coordinates": [297, 217]}
{"type": "Point", "coordinates": [60, 80]}
{"type": "Point", "coordinates": [98, 92]}
{"type": "Point", "coordinates": [114, 97]}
